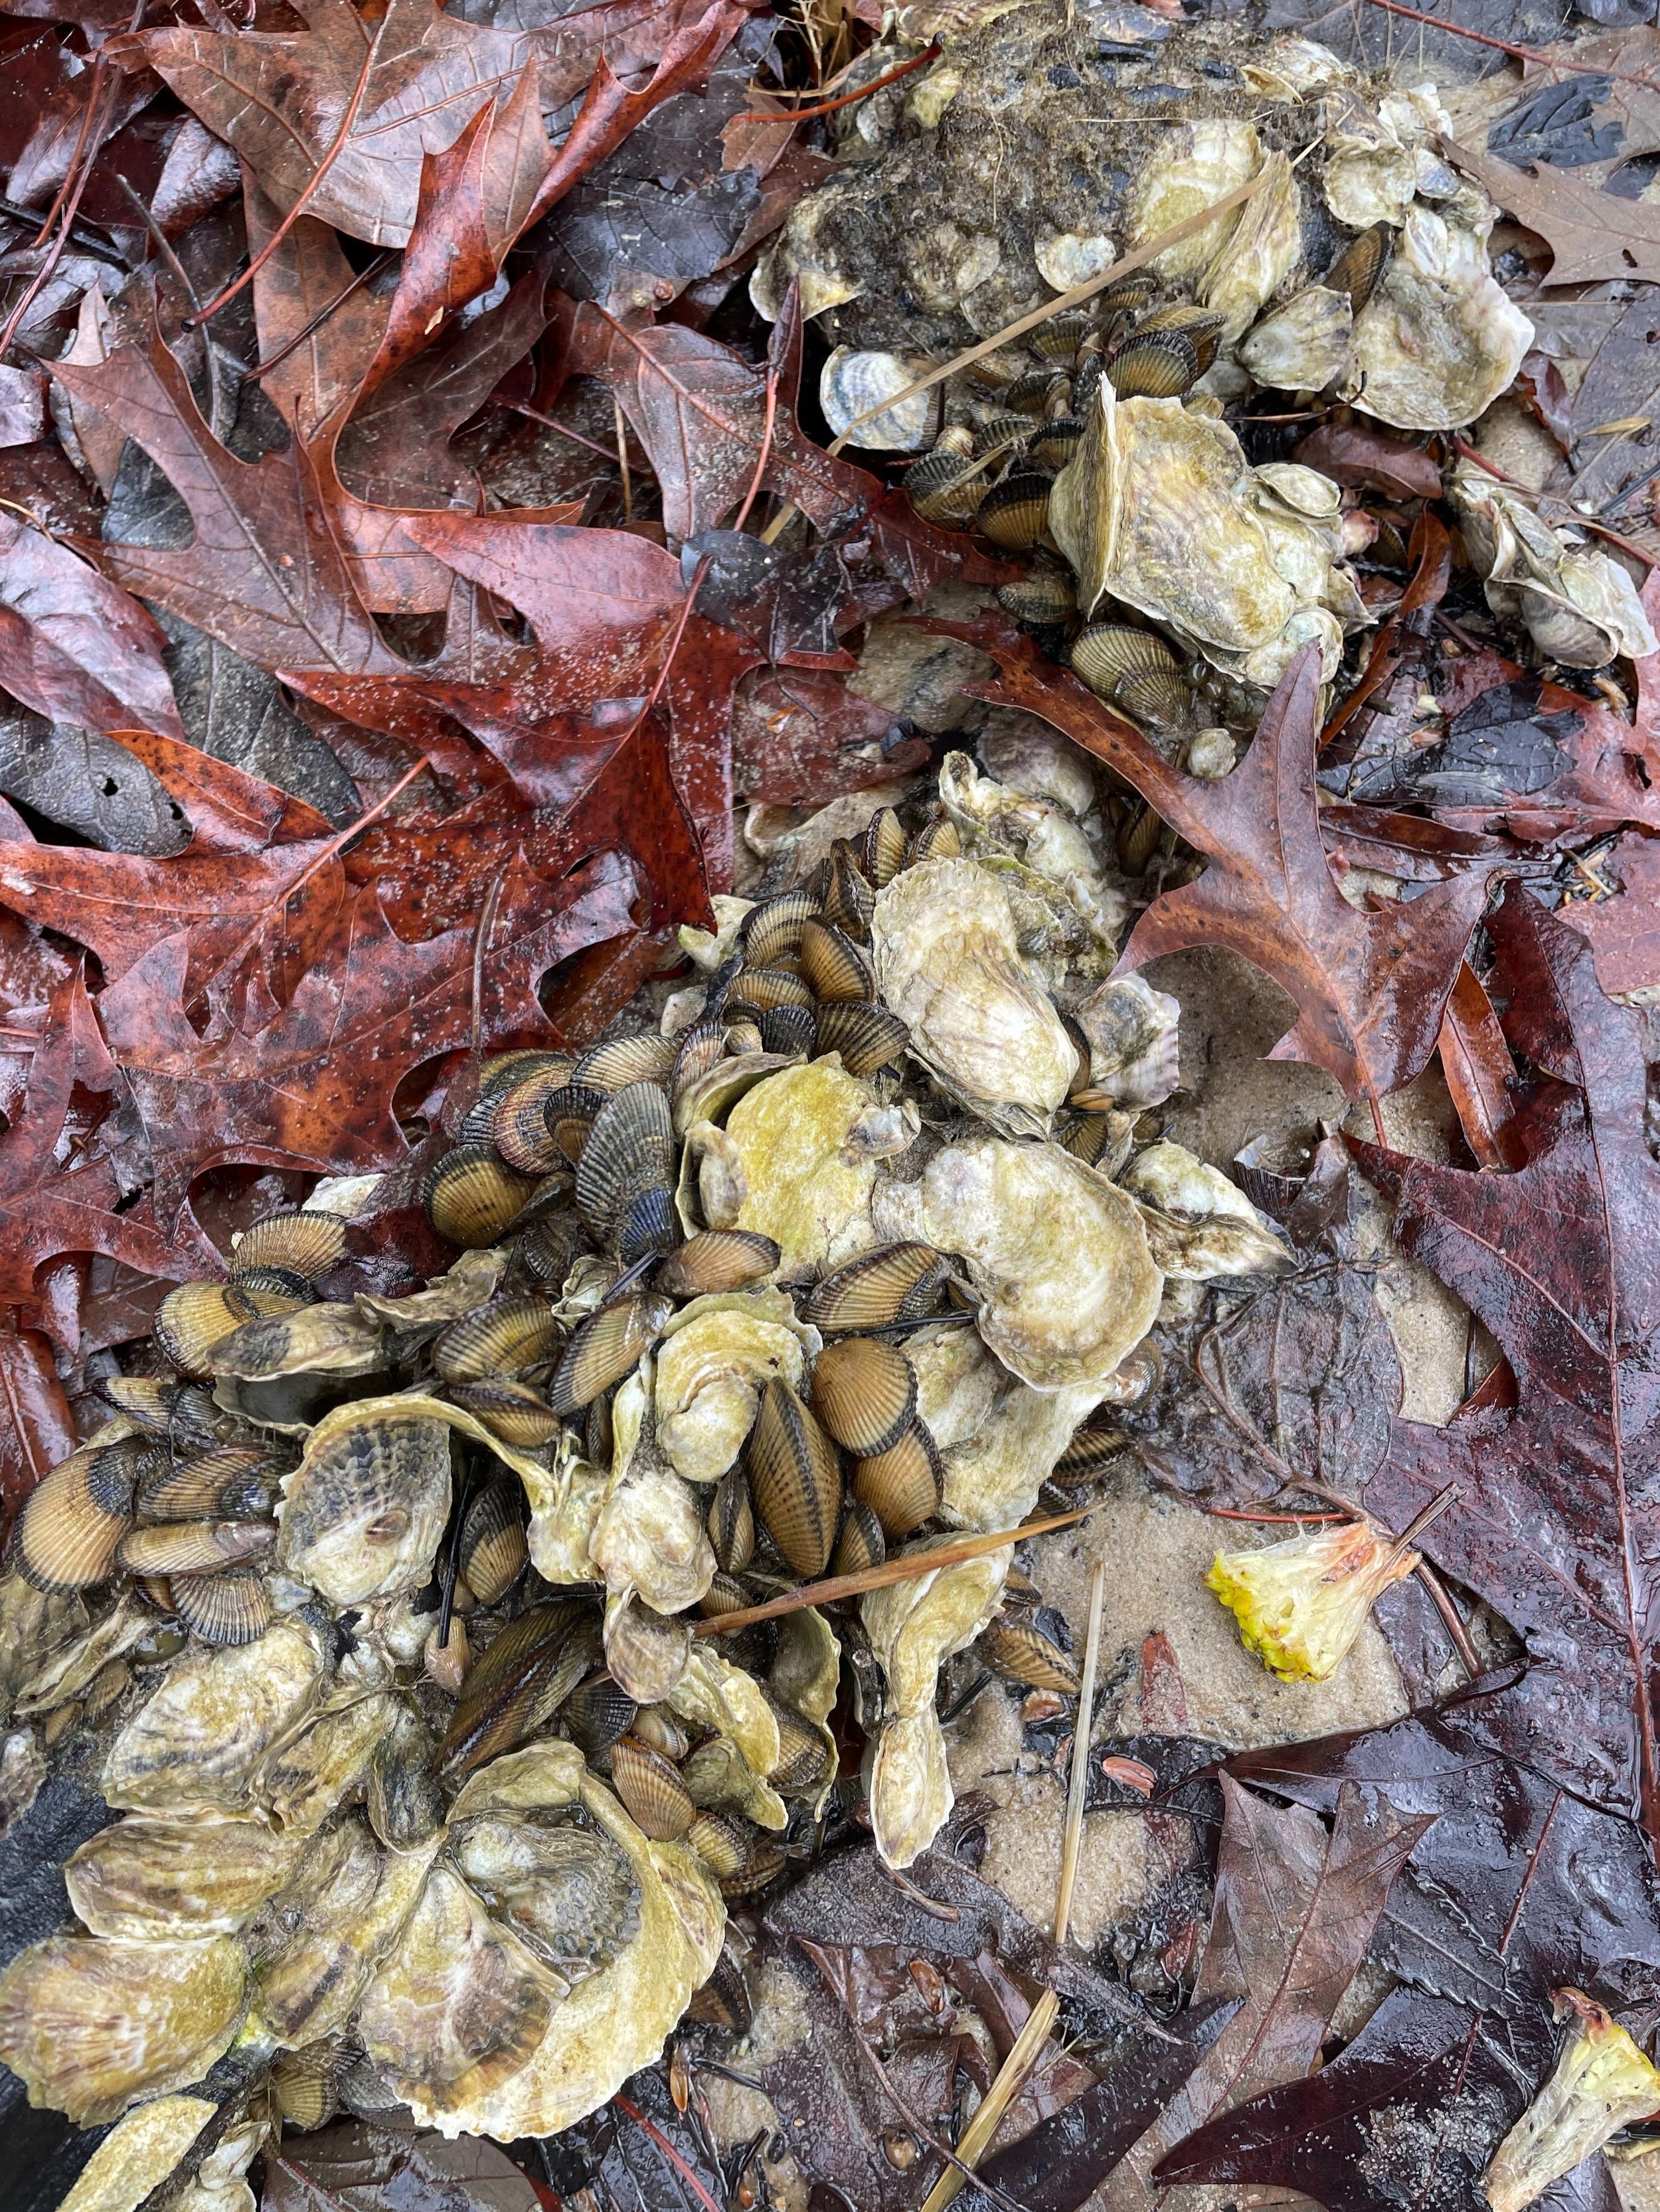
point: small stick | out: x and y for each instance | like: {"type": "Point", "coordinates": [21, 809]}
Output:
{"type": "Point", "coordinates": [889, 1570]}
{"type": "Point", "coordinates": [1071, 1840]}
{"type": "Point", "coordinates": [1059, 305]}
{"type": "Point", "coordinates": [622, 459]}
{"type": "Point", "coordinates": [1011, 2075]}
{"type": "Point", "coordinates": [929, 53]}
{"type": "Point", "coordinates": [1552, 62]}
{"type": "Point", "coordinates": [365, 275]}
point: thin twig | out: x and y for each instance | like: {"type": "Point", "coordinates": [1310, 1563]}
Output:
{"type": "Point", "coordinates": [668, 2150]}
{"type": "Point", "coordinates": [605, 452]}
{"type": "Point", "coordinates": [366, 275]}
{"type": "Point", "coordinates": [1441, 1598]}
{"type": "Point", "coordinates": [622, 459]}
{"type": "Point", "coordinates": [1063, 300]}
{"type": "Point", "coordinates": [347, 122]}
{"type": "Point", "coordinates": [1011, 2079]}
{"type": "Point", "coordinates": [1072, 1839]}
{"type": "Point", "coordinates": [763, 458]}
{"type": "Point", "coordinates": [1238, 1513]}
{"type": "Point", "coordinates": [904, 1570]}
{"type": "Point", "coordinates": [481, 938]}
{"type": "Point", "coordinates": [929, 53]}
{"type": "Point", "coordinates": [1554, 62]}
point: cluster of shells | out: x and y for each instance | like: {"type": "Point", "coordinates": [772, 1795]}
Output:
{"type": "Point", "coordinates": [396, 1629]}
{"type": "Point", "coordinates": [1178, 580]}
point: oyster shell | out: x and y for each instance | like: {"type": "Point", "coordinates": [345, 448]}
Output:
{"type": "Point", "coordinates": [331, 1931]}
{"type": "Point", "coordinates": [197, 1742]}
{"type": "Point", "coordinates": [649, 1536]}
{"type": "Point", "coordinates": [305, 1779]}
{"type": "Point", "coordinates": [362, 1513]}
{"type": "Point", "coordinates": [145, 1880]}
{"type": "Point", "coordinates": [1043, 835]}
{"type": "Point", "coordinates": [1580, 606]}
{"type": "Point", "coordinates": [715, 1358]}
{"type": "Point", "coordinates": [801, 1188]}
{"type": "Point", "coordinates": [851, 381]}
{"type": "Point", "coordinates": [90, 2026]}
{"type": "Point", "coordinates": [1134, 1033]}
{"type": "Point", "coordinates": [1189, 166]}
{"type": "Point", "coordinates": [1198, 1222]}
{"type": "Point", "coordinates": [721, 1697]}
{"type": "Point", "coordinates": [1264, 248]}
{"type": "Point", "coordinates": [1439, 339]}
{"type": "Point", "coordinates": [994, 1475]}
{"type": "Point", "coordinates": [1057, 1253]}
{"type": "Point", "coordinates": [1019, 750]}
{"type": "Point", "coordinates": [1303, 346]}
{"type": "Point", "coordinates": [949, 963]}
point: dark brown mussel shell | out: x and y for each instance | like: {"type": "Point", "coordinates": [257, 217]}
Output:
{"type": "Point", "coordinates": [631, 1149]}
{"type": "Point", "coordinates": [1021, 1653]}
{"type": "Point", "coordinates": [597, 1712]}
{"type": "Point", "coordinates": [717, 1260]}
{"type": "Point", "coordinates": [772, 931]}
{"type": "Point", "coordinates": [891, 1283]}
{"type": "Point", "coordinates": [724, 1999]}
{"type": "Point", "coordinates": [232, 1482]}
{"type": "Point", "coordinates": [508, 1336]}
{"type": "Point", "coordinates": [194, 1547]}
{"type": "Point", "coordinates": [516, 1412]}
{"type": "Point", "coordinates": [943, 487]}
{"type": "Point", "coordinates": [789, 1030]}
{"type": "Point", "coordinates": [1092, 1451]}
{"type": "Point", "coordinates": [656, 1799]}
{"type": "Point", "coordinates": [303, 1244]}
{"type": "Point", "coordinates": [570, 1113]}
{"type": "Point", "coordinates": [472, 1197]}
{"type": "Point", "coordinates": [1056, 443]}
{"type": "Point", "coordinates": [607, 1348]}
{"type": "Point", "coordinates": [835, 967]}
{"type": "Point", "coordinates": [861, 1543]}
{"type": "Point", "coordinates": [866, 1036]}
{"type": "Point", "coordinates": [74, 1519]}
{"type": "Point", "coordinates": [233, 1608]}
{"type": "Point", "coordinates": [644, 1058]}
{"type": "Point", "coordinates": [191, 1319]}
{"type": "Point", "coordinates": [864, 1391]}
{"type": "Point", "coordinates": [1361, 264]}
{"type": "Point", "coordinates": [795, 1480]}
{"type": "Point", "coordinates": [1154, 365]}
{"type": "Point", "coordinates": [902, 1485]}
{"type": "Point", "coordinates": [519, 1682]}
{"type": "Point", "coordinates": [1046, 596]}
{"type": "Point", "coordinates": [494, 1553]}
{"type": "Point", "coordinates": [882, 848]}
{"type": "Point", "coordinates": [1015, 514]}
{"type": "Point", "coordinates": [731, 1522]}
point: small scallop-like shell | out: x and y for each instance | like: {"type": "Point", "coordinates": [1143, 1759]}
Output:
{"type": "Point", "coordinates": [801, 1752]}
{"type": "Point", "coordinates": [717, 1260]}
{"type": "Point", "coordinates": [472, 1197]}
{"type": "Point", "coordinates": [657, 1728]}
{"type": "Point", "coordinates": [1056, 443]}
{"type": "Point", "coordinates": [938, 840]}
{"type": "Point", "coordinates": [305, 1244]}
{"type": "Point", "coordinates": [503, 1069]}
{"type": "Point", "coordinates": [765, 1864]}
{"type": "Point", "coordinates": [518, 1413]}
{"type": "Point", "coordinates": [772, 931]}
{"type": "Point", "coordinates": [75, 1518]}
{"type": "Point", "coordinates": [1092, 1451]}
{"type": "Point", "coordinates": [651, 1789]}
{"type": "Point", "coordinates": [630, 1151]}
{"type": "Point", "coordinates": [1060, 337]}
{"type": "Point", "coordinates": [850, 899]}
{"type": "Point", "coordinates": [902, 1485]}
{"type": "Point", "coordinates": [1021, 1653]}
{"type": "Point", "coordinates": [1000, 434]}
{"type": "Point", "coordinates": [194, 1547]}
{"type": "Point", "coordinates": [597, 1712]}
{"type": "Point", "coordinates": [607, 1348]}
{"type": "Point", "coordinates": [1015, 514]}
{"type": "Point", "coordinates": [506, 1337]}
{"type": "Point", "coordinates": [1046, 596]}
{"type": "Point", "coordinates": [864, 1391]}
{"type": "Point", "coordinates": [1357, 268]}
{"type": "Point", "coordinates": [303, 2083]}
{"type": "Point", "coordinates": [697, 1049]}
{"type": "Point", "coordinates": [892, 1282]}
{"type": "Point", "coordinates": [492, 1548]}
{"type": "Point", "coordinates": [1154, 365]}
{"type": "Point", "coordinates": [645, 1058]}
{"type": "Point", "coordinates": [794, 1480]}
{"type": "Point", "coordinates": [230, 1608]}
{"type": "Point", "coordinates": [722, 1843]}
{"type": "Point", "coordinates": [882, 847]}
{"type": "Point", "coordinates": [1031, 394]}
{"type": "Point", "coordinates": [191, 1319]}
{"type": "Point", "coordinates": [731, 1522]}
{"type": "Point", "coordinates": [835, 967]}
{"type": "Point", "coordinates": [868, 1037]}
{"type": "Point", "coordinates": [861, 1543]}
{"type": "Point", "coordinates": [570, 1112]}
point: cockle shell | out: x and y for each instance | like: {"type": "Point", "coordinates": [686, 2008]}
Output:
{"type": "Point", "coordinates": [1439, 339]}
{"type": "Point", "coordinates": [948, 962]}
{"type": "Point", "coordinates": [197, 1742]}
{"type": "Point", "coordinates": [800, 1186]}
{"type": "Point", "coordinates": [1056, 1252]}
{"type": "Point", "coordinates": [716, 1356]}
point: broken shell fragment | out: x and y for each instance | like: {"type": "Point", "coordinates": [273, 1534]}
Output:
{"type": "Point", "coordinates": [1198, 1222]}
{"type": "Point", "coordinates": [1301, 1604]}
{"type": "Point", "coordinates": [1601, 2083]}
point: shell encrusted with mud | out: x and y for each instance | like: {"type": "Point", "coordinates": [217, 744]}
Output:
{"type": "Point", "coordinates": [373, 1618]}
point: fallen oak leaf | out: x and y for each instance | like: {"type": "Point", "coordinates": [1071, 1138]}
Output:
{"type": "Point", "coordinates": [228, 810]}
{"type": "Point", "coordinates": [1624, 932]}
{"type": "Point", "coordinates": [38, 1428]}
{"type": "Point", "coordinates": [1555, 1524]}
{"type": "Point", "coordinates": [1594, 236]}
{"type": "Point", "coordinates": [1369, 988]}
{"type": "Point", "coordinates": [72, 645]}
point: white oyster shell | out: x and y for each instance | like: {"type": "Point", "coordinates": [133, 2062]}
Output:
{"type": "Point", "coordinates": [1134, 1040]}
{"type": "Point", "coordinates": [993, 1477]}
{"type": "Point", "coordinates": [720, 1696]}
{"type": "Point", "coordinates": [1044, 836]}
{"type": "Point", "coordinates": [716, 1356]}
{"type": "Point", "coordinates": [1189, 167]}
{"type": "Point", "coordinates": [1069, 257]}
{"type": "Point", "coordinates": [1029, 756]}
{"type": "Point", "coordinates": [1057, 1253]}
{"type": "Point", "coordinates": [1198, 1222]}
{"type": "Point", "coordinates": [649, 1537]}
{"type": "Point", "coordinates": [948, 963]}
{"type": "Point", "coordinates": [851, 381]}
{"type": "Point", "coordinates": [1265, 248]}
{"type": "Point", "coordinates": [1303, 346]}
{"type": "Point", "coordinates": [1580, 606]}
{"type": "Point", "coordinates": [1439, 339]}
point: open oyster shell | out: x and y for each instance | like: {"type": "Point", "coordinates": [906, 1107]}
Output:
{"type": "Point", "coordinates": [1579, 605]}
{"type": "Point", "coordinates": [804, 1185]}
{"type": "Point", "coordinates": [1198, 1222]}
{"type": "Point", "coordinates": [1045, 838]}
{"type": "Point", "coordinates": [650, 1536]}
{"type": "Point", "coordinates": [716, 1356]}
{"type": "Point", "coordinates": [362, 1513]}
{"type": "Point", "coordinates": [948, 963]}
{"type": "Point", "coordinates": [1439, 339]}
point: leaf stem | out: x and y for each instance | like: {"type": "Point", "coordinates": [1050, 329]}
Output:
{"type": "Point", "coordinates": [366, 275]}
{"type": "Point", "coordinates": [929, 53]}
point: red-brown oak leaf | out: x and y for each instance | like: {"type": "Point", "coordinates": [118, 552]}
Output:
{"type": "Point", "coordinates": [73, 646]}
{"type": "Point", "coordinates": [1369, 988]}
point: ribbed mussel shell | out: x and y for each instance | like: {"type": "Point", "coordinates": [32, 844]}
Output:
{"type": "Point", "coordinates": [883, 847]}
{"type": "Point", "coordinates": [892, 1282]}
{"type": "Point", "coordinates": [1359, 267]}
{"type": "Point", "coordinates": [794, 1480]}
{"type": "Point", "coordinates": [75, 1518]}
{"type": "Point", "coordinates": [472, 1197]}
{"type": "Point", "coordinates": [903, 1485]}
{"type": "Point", "coordinates": [1023, 1654]}
{"type": "Point", "coordinates": [508, 1336]}
{"type": "Point", "coordinates": [864, 1391]}
{"type": "Point", "coordinates": [651, 1790]}
{"type": "Point", "coordinates": [519, 1682]}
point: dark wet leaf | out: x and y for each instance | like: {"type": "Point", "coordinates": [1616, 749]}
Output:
{"type": "Point", "coordinates": [801, 739]}
{"type": "Point", "coordinates": [785, 603]}
{"type": "Point", "coordinates": [1360, 453]}
{"type": "Point", "coordinates": [372, 2168]}
{"type": "Point", "coordinates": [1558, 124]}
{"type": "Point", "coordinates": [38, 1429]}
{"type": "Point", "coordinates": [86, 783]}
{"type": "Point", "coordinates": [1624, 931]}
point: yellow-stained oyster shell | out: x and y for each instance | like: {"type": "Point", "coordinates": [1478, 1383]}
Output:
{"type": "Point", "coordinates": [143, 1880]}
{"type": "Point", "coordinates": [1189, 166]}
{"type": "Point", "coordinates": [197, 1742]}
{"type": "Point", "coordinates": [791, 1134]}
{"type": "Point", "coordinates": [716, 1356]}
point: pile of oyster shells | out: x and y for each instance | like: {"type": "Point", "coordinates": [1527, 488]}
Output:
{"type": "Point", "coordinates": [1178, 580]}
{"type": "Point", "coordinates": [395, 1628]}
